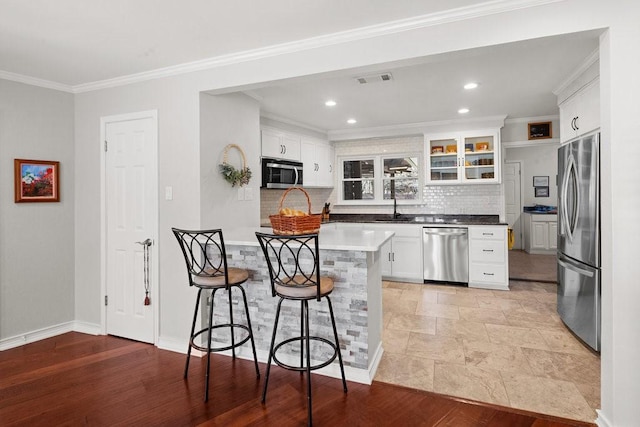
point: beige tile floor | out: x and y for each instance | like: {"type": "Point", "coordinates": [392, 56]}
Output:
{"type": "Point", "coordinates": [503, 347]}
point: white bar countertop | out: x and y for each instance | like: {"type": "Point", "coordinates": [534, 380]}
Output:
{"type": "Point", "coordinates": [330, 239]}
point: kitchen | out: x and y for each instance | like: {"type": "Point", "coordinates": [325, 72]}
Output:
{"type": "Point", "coordinates": [298, 99]}
{"type": "Point", "coordinates": [191, 203]}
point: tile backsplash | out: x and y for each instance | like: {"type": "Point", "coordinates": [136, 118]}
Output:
{"type": "Point", "coordinates": [483, 199]}
{"type": "Point", "coordinates": [450, 199]}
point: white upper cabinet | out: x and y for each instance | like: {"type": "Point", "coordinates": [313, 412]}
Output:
{"type": "Point", "coordinates": [317, 159]}
{"type": "Point", "coordinates": [580, 113]}
{"type": "Point", "coordinates": [280, 145]}
{"type": "Point", "coordinates": [463, 157]}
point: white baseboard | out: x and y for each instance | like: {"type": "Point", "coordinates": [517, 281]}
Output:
{"type": "Point", "coordinates": [49, 332]}
{"type": "Point", "coordinates": [87, 328]}
{"type": "Point", "coordinates": [490, 286]}
{"type": "Point", "coordinates": [172, 344]}
{"type": "Point", "coordinates": [37, 335]}
{"type": "Point", "coordinates": [602, 421]}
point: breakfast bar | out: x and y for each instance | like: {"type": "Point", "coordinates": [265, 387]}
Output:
{"type": "Point", "coordinates": [352, 259]}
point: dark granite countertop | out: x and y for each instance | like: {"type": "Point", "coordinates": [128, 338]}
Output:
{"type": "Point", "coordinates": [419, 219]}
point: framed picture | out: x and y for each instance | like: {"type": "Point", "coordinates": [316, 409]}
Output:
{"type": "Point", "coordinates": [540, 130]}
{"type": "Point", "coordinates": [36, 181]}
{"type": "Point", "coordinates": [540, 181]}
{"type": "Point", "coordinates": [541, 192]}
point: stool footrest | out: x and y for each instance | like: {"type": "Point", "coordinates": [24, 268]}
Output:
{"type": "Point", "coordinates": [214, 349]}
{"type": "Point", "coordinates": [304, 368]}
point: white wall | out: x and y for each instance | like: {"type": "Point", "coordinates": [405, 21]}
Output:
{"type": "Point", "coordinates": [536, 161]}
{"type": "Point", "coordinates": [36, 239]}
{"type": "Point", "coordinates": [228, 119]}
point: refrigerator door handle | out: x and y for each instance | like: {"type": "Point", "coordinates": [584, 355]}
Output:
{"type": "Point", "coordinates": [575, 268]}
{"type": "Point", "coordinates": [570, 223]}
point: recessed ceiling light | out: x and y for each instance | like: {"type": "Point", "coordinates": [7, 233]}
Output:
{"type": "Point", "coordinates": [330, 103]}
{"type": "Point", "coordinates": [471, 85]}
{"type": "Point", "coordinates": [352, 121]}
{"type": "Point", "coordinates": [463, 110]}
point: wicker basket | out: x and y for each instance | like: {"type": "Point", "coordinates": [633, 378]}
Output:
{"type": "Point", "coordinates": [290, 225]}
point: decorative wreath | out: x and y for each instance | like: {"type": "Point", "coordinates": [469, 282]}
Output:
{"type": "Point", "coordinates": [230, 173]}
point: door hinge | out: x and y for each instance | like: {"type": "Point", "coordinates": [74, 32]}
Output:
{"type": "Point", "coordinates": [105, 146]}
{"type": "Point", "coordinates": [106, 300]}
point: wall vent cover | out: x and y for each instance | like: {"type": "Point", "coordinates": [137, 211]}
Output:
{"type": "Point", "coordinates": [374, 78]}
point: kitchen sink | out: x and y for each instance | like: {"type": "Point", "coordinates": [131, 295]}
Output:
{"type": "Point", "coordinates": [399, 219]}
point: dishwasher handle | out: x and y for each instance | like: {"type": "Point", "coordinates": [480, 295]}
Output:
{"type": "Point", "coordinates": [462, 232]}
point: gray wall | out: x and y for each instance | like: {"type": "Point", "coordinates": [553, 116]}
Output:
{"type": "Point", "coordinates": [177, 102]}
{"type": "Point", "coordinates": [536, 161]}
{"type": "Point", "coordinates": [538, 158]}
{"type": "Point", "coordinates": [36, 239]}
{"type": "Point", "coordinates": [228, 119]}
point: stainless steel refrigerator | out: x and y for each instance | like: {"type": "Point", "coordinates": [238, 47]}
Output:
{"type": "Point", "coordinates": [579, 237]}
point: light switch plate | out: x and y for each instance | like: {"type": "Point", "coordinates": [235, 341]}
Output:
{"type": "Point", "coordinates": [240, 193]}
{"type": "Point", "coordinates": [168, 193]}
{"type": "Point", "coordinates": [248, 193]}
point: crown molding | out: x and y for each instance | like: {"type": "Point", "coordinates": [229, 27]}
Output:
{"type": "Point", "coordinates": [33, 81]}
{"type": "Point", "coordinates": [589, 61]}
{"type": "Point", "coordinates": [491, 7]}
{"type": "Point", "coordinates": [458, 14]}
{"type": "Point", "coordinates": [532, 119]}
{"type": "Point", "coordinates": [288, 121]}
{"type": "Point", "coordinates": [532, 143]}
{"type": "Point", "coordinates": [419, 128]}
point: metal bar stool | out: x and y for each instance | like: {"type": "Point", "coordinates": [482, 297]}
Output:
{"type": "Point", "coordinates": [294, 269]}
{"type": "Point", "coordinates": [206, 258]}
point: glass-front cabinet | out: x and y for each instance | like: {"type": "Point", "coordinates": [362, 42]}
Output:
{"type": "Point", "coordinates": [466, 157]}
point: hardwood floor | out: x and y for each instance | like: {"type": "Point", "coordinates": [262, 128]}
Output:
{"type": "Point", "coordinates": [78, 379]}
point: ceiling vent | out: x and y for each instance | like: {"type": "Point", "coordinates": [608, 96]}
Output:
{"type": "Point", "coordinates": [374, 78]}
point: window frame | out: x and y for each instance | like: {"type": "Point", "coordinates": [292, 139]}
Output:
{"type": "Point", "coordinates": [378, 179]}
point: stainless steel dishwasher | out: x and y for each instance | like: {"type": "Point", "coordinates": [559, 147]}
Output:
{"type": "Point", "coordinates": [446, 254]}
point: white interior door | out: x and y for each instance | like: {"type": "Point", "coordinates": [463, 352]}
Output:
{"type": "Point", "coordinates": [131, 218]}
{"type": "Point", "coordinates": [513, 200]}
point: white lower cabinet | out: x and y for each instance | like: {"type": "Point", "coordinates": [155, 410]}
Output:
{"type": "Point", "coordinates": [540, 233]}
{"type": "Point", "coordinates": [401, 256]}
{"type": "Point", "coordinates": [488, 257]}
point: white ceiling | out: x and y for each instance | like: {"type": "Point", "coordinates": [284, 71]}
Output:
{"type": "Point", "coordinates": [75, 42]}
{"type": "Point", "coordinates": [79, 42]}
{"type": "Point", "coordinates": [515, 80]}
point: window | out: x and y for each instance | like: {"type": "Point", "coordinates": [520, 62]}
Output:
{"type": "Point", "coordinates": [380, 179]}
{"type": "Point", "coordinates": [400, 180]}
{"type": "Point", "coordinates": [358, 179]}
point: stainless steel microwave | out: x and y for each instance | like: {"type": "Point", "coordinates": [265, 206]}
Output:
{"type": "Point", "coordinates": [278, 173]}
